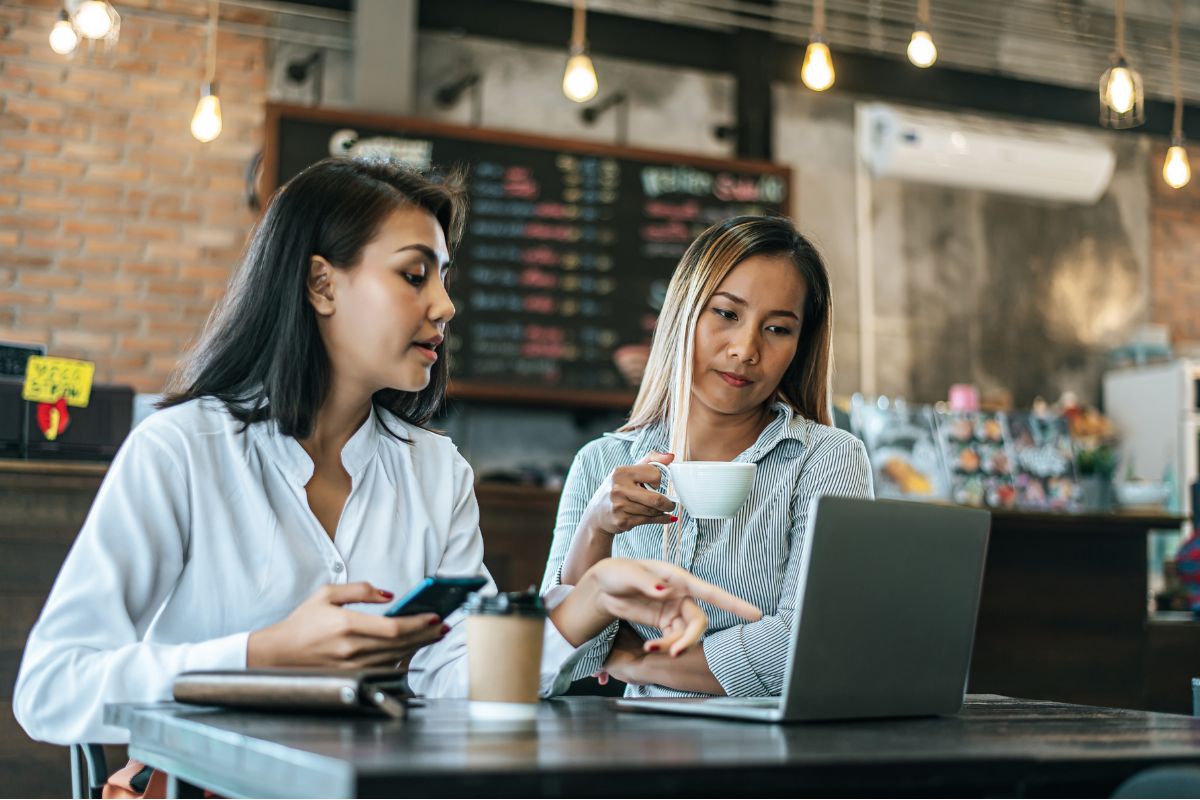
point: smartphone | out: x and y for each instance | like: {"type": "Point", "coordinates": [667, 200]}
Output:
{"type": "Point", "coordinates": [437, 595]}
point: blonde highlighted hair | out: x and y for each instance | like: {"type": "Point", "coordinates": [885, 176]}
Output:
{"type": "Point", "coordinates": [666, 389]}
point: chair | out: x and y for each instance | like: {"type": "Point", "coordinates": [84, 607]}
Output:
{"type": "Point", "coordinates": [1168, 782]}
{"type": "Point", "coordinates": [89, 771]}
{"type": "Point", "coordinates": [1179, 781]}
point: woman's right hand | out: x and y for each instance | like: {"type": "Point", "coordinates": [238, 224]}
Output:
{"type": "Point", "coordinates": [651, 593]}
{"type": "Point", "coordinates": [320, 633]}
{"type": "Point", "coordinates": [623, 502]}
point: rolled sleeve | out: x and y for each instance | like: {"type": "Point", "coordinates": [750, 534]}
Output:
{"type": "Point", "coordinates": [594, 653]}
{"type": "Point", "coordinates": [750, 660]}
{"type": "Point", "coordinates": [562, 662]}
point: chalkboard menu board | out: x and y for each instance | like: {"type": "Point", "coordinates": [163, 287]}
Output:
{"type": "Point", "coordinates": [13, 357]}
{"type": "Point", "coordinates": [568, 248]}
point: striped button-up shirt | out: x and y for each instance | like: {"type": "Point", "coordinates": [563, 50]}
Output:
{"type": "Point", "coordinates": [755, 555]}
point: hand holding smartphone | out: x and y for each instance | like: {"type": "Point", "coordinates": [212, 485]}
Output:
{"type": "Point", "coordinates": [437, 595]}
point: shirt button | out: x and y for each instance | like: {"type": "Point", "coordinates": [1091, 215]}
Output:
{"type": "Point", "coordinates": [338, 566]}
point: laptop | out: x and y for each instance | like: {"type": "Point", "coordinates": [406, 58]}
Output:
{"type": "Point", "coordinates": [885, 617]}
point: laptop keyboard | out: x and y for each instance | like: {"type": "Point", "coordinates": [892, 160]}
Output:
{"type": "Point", "coordinates": [745, 702]}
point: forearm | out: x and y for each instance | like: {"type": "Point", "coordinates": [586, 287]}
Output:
{"type": "Point", "coordinates": [579, 617]}
{"type": "Point", "coordinates": [588, 547]}
{"type": "Point", "coordinates": [63, 686]}
{"type": "Point", "coordinates": [688, 672]}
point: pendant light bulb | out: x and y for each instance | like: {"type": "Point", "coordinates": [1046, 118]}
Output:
{"type": "Point", "coordinates": [817, 71]}
{"type": "Point", "coordinates": [1176, 169]}
{"type": "Point", "coordinates": [206, 122]}
{"type": "Point", "coordinates": [579, 81]}
{"type": "Point", "coordinates": [93, 19]}
{"type": "Point", "coordinates": [63, 38]}
{"type": "Point", "coordinates": [1120, 94]}
{"type": "Point", "coordinates": [921, 50]}
{"type": "Point", "coordinates": [1122, 101]}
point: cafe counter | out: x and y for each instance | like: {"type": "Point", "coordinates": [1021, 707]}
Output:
{"type": "Point", "coordinates": [42, 508]}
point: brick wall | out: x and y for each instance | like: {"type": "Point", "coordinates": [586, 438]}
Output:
{"type": "Point", "coordinates": [117, 228]}
{"type": "Point", "coordinates": [1175, 252]}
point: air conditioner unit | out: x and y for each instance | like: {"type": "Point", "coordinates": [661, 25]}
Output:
{"type": "Point", "coordinates": [1012, 158]}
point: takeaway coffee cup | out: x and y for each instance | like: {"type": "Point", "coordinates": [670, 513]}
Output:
{"type": "Point", "coordinates": [709, 489]}
{"type": "Point", "coordinates": [504, 654]}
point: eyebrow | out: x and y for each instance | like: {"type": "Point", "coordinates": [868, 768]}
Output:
{"type": "Point", "coordinates": [733, 298]}
{"type": "Point", "coordinates": [426, 251]}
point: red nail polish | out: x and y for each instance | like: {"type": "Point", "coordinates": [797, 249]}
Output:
{"type": "Point", "coordinates": [660, 588]}
{"type": "Point", "coordinates": [435, 621]}
{"type": "Point", "coordinates": [654, 648]}
{"type": "Point", "coordinates": [387, 595]}
{"type": "Point", "coordinates": [445, 629]}
{"type": "Point", "coordinates": [674, 518]}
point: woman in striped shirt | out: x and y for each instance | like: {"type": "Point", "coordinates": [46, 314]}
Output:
{"type": "Point", "coordinates": [738, 371]}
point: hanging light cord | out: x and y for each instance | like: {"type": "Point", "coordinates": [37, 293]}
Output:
{"type": "Point", "coordinates": [210, 73]}
{"type": "Point", "coordinates": [579, 26]}
{"type": "Point", "coordinates": [1120, 28]}
{"type": "Point", "coordinates": [819, 18]}
{"type": "Point", "coordinates": [923, 12]}
{"type": "Point", "coordinates": [1177, 84]}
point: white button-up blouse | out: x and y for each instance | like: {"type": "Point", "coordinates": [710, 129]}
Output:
{"type": "Point", "coordinates": [202, 533]}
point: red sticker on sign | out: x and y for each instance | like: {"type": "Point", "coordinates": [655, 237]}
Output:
{"type": "Point", "coordinates": [53, 418]}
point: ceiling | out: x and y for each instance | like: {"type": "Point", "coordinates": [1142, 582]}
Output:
{"type": "Point", "coordinates": [1062, 42]}
{"type": "Point", "coordinates": [1065, 42]}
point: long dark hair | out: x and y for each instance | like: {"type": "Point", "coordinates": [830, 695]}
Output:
{"type": "Point", "coordinates": [261, 353]}
{"type": "Point", "coordinates": [665, 392]}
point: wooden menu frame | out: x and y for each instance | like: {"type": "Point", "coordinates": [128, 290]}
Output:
{"type": "Point", "coordinates": [486, 392]}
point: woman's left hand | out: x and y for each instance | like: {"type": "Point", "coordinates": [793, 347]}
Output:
{"type": "Point", "coordinates": [627, 653]}
{"type": "Point", "coordinates": [652, 593]}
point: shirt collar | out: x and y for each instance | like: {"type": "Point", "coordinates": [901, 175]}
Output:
{"type": "Point", "coordinates": [788, 429]}
{"type": "Point", "coordinates": [287, 452]}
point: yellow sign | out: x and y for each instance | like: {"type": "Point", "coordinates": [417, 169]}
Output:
{"type": "Point", "coordinates": [47, 379]}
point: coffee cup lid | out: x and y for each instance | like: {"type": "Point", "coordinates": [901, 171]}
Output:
{"type": "Point", "coordinates": [525, 604]}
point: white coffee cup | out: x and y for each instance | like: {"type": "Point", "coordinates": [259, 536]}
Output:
{"type": "Point", "coordinates": [710, 489]}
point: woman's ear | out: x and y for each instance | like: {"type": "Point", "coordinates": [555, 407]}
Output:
{"type": "Point", "coordinates": [319, 286]}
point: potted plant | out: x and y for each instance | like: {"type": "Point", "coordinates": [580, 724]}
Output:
{"type": "Point", "coordinates": [1095, 455]}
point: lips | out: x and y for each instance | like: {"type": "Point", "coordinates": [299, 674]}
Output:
{"type": "Point", "coordinates": [735, 380]}
{"type": "Point", "coordinates": [428, 348]}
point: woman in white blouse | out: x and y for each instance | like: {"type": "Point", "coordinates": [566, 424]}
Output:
{"type": "Point", "coordinates": [738, 371]}
{"type": "Point", "coordinates": [289, 488]}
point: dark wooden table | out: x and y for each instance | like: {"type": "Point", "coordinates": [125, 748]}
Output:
{"type": "Point", "coordinates": [580, 746]}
